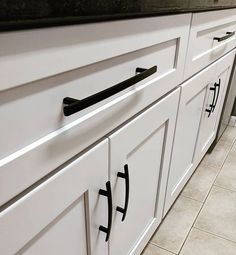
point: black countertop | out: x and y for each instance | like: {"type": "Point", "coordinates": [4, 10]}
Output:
{"type": "Point", "coordinates": [27, 14]}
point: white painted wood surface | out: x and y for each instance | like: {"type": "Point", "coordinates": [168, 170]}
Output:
{"type": "Point", "coordinates": [41, 138]}
{"type": "Point", "coordinates": [145, 145]}
{"type": "Point", "coordinates": [39, 158]}
{"type": "Point", "coordinates": [209, 125]}
{"type": "Point", "coordinates": [37, 108]}
{"type": "Point", "coordinates": [63, 214]}
{"type": "Point", "coordinates": [195, 131]}
{"type": "Point", "coordinates": [36, 54]}
{"type": "Point", "coordinates": [192, 103]}
{"type": "Point", "coordinates": [202, 49]}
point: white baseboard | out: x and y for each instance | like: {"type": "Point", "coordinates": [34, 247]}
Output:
{"type": "Point", "coordinates": [232, 121]}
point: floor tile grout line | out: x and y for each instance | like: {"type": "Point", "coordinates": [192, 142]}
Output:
{"type": "Point", "coordinates": [217, 185]}
{"type": "Point", "coordinates": [190, 229]}
{"type": "Point", "coordinates": [218, 172]}
{"type": "Point", "coordinates": [220, 168]}
{"type": "Point", "coordinates": [210, 233]}
{"type": "Point", "coordinates": [202, 205]}
{"type": "Point", "coordinates": [163, 248]}
{"type": "Point", "coordinates": [181, 195]}
{"type": "Point", "coordinates": [222, 164]}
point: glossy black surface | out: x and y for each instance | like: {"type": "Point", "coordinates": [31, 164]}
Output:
{"type": "Point", "coordinates": [25, 14]}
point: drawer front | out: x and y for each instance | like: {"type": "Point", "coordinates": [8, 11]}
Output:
{"type": "Point", "coordinates": [211, 36]}
{"type": "Point", "coordinates": [63, 214]}
{"type": "Point", "coordinates": [37, 137]}
{"type": "Point", "coordinates": [37, 54]}
{"type": "Point", "coordinates": [36, 108]}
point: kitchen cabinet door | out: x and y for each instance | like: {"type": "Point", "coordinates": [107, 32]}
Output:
{"type": "Point", "coordinates": [194, 93]}
{"type": "Point", "coordinates": [63, 214]}
{"type": "Point", "coordinates": [200, 107]}
{"type": "Point", "coordinates": [214, 103]}
{"type": "Point", "coordinates": [139, 162]}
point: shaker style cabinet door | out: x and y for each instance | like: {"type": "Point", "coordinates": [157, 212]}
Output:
{"type": "Point", "coordinates": [214, 104]}
{"type": "Point", "coordinates": [194, 93]}
{"type": "Point", "coordinates": [200, 108]}
{"type": "Point", "coordinates": [63, 215]}
{"type": "Point", "coordinates": [139, 162]}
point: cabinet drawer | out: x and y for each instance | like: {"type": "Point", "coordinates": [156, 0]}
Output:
{"type": "Point", "coordinates": [63, 214]}
{"type": "Point", "coordinates": [36, 108]}
{"type": "Point", "coordinates": [37, 137]}
{"type": "Point", "coordinates": [37, 54]}
{"type": "Point", "coordinates": [212, 35]}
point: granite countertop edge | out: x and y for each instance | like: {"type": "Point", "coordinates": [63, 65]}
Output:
{"type": "Point", "coordinates": [34, 23]}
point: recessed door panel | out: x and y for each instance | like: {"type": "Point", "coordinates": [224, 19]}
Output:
{"type": "Point", "coordinates": [143, 147]}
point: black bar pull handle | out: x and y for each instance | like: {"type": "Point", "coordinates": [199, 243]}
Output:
{"type": "Point", "coordinates": [214, 96]}
{"type": "Point", "coordinates": [72, 105]}
{"type": "Point", "coordinates": [213, 100]}
{"type": "Point", "coordinates": [209, 112]}
{"type": "Point", "coordinates": [217, 85]}
{"type": "Point", "coordinates": [125, 176]}
{"type": "Point", "coordinates": [107, 193]}
{"type": "Point", "coordinates": [227, 36]}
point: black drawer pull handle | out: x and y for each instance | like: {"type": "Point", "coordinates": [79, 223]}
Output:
{"type": "Point", "coordinates": [107, 193]}
{"type": "Point", "coordinates": [125, 176]}
{"type": "Point", "coordinates": [73, 105]}
{"type": "Point", "coordinates": [227, 36]}
{"type": "Point", "coordinates": [209, 112]}
{"type": "Point", "coordinates": [217, 85]}
{"type": "Point", "coordinates": [213, 100]}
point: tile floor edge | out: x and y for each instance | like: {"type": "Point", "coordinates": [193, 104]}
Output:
{"type": "Point", "coordinates": [163, 248]}
{"type": "Point", "coordinates": [210, 233]}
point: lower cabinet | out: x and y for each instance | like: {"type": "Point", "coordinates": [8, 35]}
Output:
{"type": "Point", "coordinates": [191, 108]}
{"type": "Point", "coordinates": [213, 105]}
{"type": "Point", "coordinates": [200, 108]}
{"type": "Point", "coordinates": [110, 199]}
{"type": "Point", "coordinates": [62, 215]}
{"type": "Point", "coordinates": [79, 211]}
{"type": "Point", "coordinates": [139, 162]}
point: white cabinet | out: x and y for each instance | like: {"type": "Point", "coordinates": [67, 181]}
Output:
{"type": "Point", "coordinates": [63, 214]}
{"type": "Point", "coordinates": [214, 103]}
{"type": "Point", "coordinates": [200, 107]}
{"type": "Point", "coordinates": [140, 153]}
{"type": "Point", "coordinates": [56, 201]}
{"type": "Point", "coordinates": [212, 35]}
{"type": "Point", "coordinates": [193, 94]}
{"type": "Point", "coordinates": [109, 54]}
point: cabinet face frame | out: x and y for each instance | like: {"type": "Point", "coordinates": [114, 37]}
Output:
{"type": "Point", "coordinates": [150, 133]}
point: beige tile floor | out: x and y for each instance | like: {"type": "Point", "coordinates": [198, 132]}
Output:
{"type": "Point", "coordinates": [203, 219]}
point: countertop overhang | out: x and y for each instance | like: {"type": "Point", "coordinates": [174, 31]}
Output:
{"type": "Point", "coordinates": [29, 14]}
